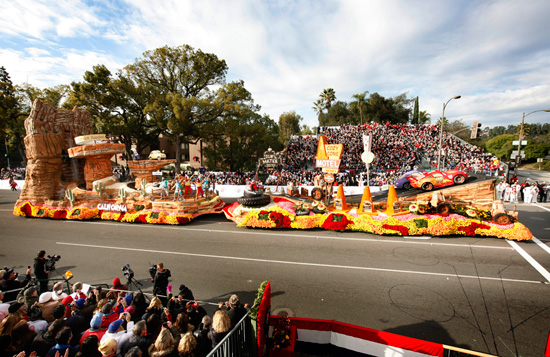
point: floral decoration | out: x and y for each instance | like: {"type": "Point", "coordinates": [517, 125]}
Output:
{"type": "Point", "coordinates": [281, 333]}
{"type": "Point", "coordinates": [401, 229]}
{"type": "Point", "coordinates": [27, 209]}
{"type": "Point", "coordinates": [336, 222]}
{"type": "Point", "coordinates": [433, 224]}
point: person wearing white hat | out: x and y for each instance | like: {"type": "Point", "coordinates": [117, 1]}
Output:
{"type": "Point", "coordinates": [47, 303]}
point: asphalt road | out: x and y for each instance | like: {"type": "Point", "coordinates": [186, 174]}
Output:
{"type": "Point", "coordinates": [474, 293]}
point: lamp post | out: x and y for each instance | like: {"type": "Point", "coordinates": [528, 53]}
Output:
{"type": "Point", "coordinates": [7, 157]}
{"type": "Point", "coordinates": [521, 135]}
{"type": "Point", "coordinates": [441, 131]}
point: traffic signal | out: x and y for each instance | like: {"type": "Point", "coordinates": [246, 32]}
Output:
{"type": "Point", "coordinates": [475, 129]}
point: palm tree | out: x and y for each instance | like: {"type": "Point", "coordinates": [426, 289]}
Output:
{"type": "Point", "coordinates": [360, 101]}
{"type": "Point", "coordinates": [318, 106]}
{"type": "Point", "coordinates": [328, 96]}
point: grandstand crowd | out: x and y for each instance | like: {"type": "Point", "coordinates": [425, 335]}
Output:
{"type": "Point", "coordinates": [397, 149]}
{"type": "Point", "coordinates": [44, 320]}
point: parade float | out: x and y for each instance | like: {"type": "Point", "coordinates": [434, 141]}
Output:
{"type": "Point", "coordinates": [69, 176]}
{"type": "Point", "coordinates": [467, 209]}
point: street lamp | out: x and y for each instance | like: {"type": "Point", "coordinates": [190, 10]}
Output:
{"type": "Point", "coordinates": [521, 134]}
{"type": "Point", "coordinates": [7, 157]}
{"type": "Point", "coordinates": [441, 131]}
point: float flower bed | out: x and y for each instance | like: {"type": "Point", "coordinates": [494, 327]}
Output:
{"type": "Point", "coordinates": [28, 209]}
{"type": "Point", "coordinates": [281, 214]}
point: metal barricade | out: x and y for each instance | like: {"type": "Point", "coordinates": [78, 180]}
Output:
{"type": "Point", "coordinates": [238, 342]}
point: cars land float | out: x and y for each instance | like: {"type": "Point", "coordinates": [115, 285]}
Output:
{"type": "Point", "coordinates": [403, 183]}
{"type": "Point", "coordinates": [429, 180]}
{"type": "Point", "coordinates": [69, 176]}
{"type": "Point", "coordinates": [465, 210]}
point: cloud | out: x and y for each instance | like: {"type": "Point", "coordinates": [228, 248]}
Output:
{"type": "Point", "coordinates": [495, 54]}
{"type": "Point", "coordinates": [42, 68]}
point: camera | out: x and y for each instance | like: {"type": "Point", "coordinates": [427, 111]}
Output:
{"type": "Point", "coordinates": [128, 272]}
{"type": "Point", "coordinates": [50, 264]}
{"type": "Point", "coordinates": [153, 271]}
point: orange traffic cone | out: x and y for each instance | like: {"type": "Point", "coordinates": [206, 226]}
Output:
{"type": "Point", "coordinates": [392, 198]}
{"type": "Point", "coordinates": [340, 200]}
{"type": "Point", "coordinates": [366, 202]}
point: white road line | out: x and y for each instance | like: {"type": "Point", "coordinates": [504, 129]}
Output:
{"type": "Point", "coordinates": [539, 206]}
{"type": "Point", "coordinates": [531, 261]}
{"type": "Point", "coordinates": [297, 263]}
{"type": "Point", "coordinates": [541, 244]}
{"type": "Point", "coordinates": [286, 235]}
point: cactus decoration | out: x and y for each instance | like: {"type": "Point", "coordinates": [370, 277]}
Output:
{"type": "Point", "coordinates": [142, 190]}
{"type": "Point", "coordinates": [122, 193]}
{"type": "Point", "coordinates": [70, 196]}
{"type": "Point", "coordinates": [100, 187]}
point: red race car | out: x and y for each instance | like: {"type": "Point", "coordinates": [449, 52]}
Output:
{"type": "Point", "coordinates": [432, 179]}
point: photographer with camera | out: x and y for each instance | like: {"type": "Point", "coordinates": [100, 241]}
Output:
{"type": "Point", "coordinates": [10, 285]}
{"type": "Point", "coordinates": [40, 271]}
{"type": "Point", "coordinates": [235, 310]}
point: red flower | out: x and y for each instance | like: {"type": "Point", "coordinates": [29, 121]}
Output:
{"type": "Point", "coordinates": [279, 219]}
{"type": "Point", "coordinates": [26, 209]}
{"type": "Point", "coordinates": [401, 229]}
{"type": "Point", "coordinates": [60, 214]}
{"type": "Point", "coordinates": [471, 229]}
{"type": "Point", "coordinates": [183, 220]}
{"type": "Point", "coordinates": [142, 218]}
{"type": "Point", "coordinates": [121, 216]}
{"type": "Point", "coordinates": [336, 222]}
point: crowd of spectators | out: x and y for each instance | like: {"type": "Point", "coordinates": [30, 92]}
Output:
{"type": "Point", "coordinates": [397, 148]}
{"type": "Point", "coordinates": [16, 173]}
{"type": "Point", "coordinates": [95, 321]}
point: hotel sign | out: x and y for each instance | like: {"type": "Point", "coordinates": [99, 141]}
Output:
{"type": "Point", "coordinates": [328, 156]}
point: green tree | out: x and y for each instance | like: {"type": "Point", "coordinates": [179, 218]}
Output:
{"type": "Point", "coordinates": [190, 91]}
{"type": "Point", "coordinates": [535, 150]}
{"type": "Point", "coordinates": [338, 114]}
{"type": "Point", "coordinates": [359, 104]}
{"type": "Point", "coordinates": [416, 114]}
{"type": "Point", "coordinates": [318, 106]}
{"type": "Point", "coordinates": [289, 124]}
{"type": "Point", "coordinates": [117, 104]}
{"type": "Point", "coordinates": [306, 130]}
{"type": "Point", "coordinates": [501, 146]}
{"type": "Point", "coordinates": [240, 141]}
{"type": "Point", "coordinates": [13, 113]}
{"type": "Point", "coordinates": [424, 117]}
{"type": "Point", "coordinates": [328, 96]}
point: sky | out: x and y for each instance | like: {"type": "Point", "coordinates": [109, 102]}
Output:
{"type": "Point", "coordinates": [495, 54]}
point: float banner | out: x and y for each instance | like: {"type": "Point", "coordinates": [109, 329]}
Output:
{"type": "Point", "coordinates": [333, 338]}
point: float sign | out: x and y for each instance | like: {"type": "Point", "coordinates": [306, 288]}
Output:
{"type": "Point", "coordinates": [328, 156]}
{"type": "Point", "coordinates": [271, 159]}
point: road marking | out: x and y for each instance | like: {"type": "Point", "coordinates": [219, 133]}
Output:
{"type": "Point", "coordinates": [286, 235]}
{"type": "Point", "coordinates": [541, 244]}
{"type": "Point", "coordinates": [297, 263]}
{"type": "Point", "coordinates": [530, 260]}
{"type": "Point", "coordinates": [539, 206]}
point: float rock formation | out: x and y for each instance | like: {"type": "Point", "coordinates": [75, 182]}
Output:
{"type": "Point", "coordinates": [50, 133]}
